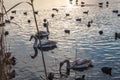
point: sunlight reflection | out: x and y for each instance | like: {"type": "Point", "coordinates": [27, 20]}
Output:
{"type": "Point", "coordinates": [69, 7]}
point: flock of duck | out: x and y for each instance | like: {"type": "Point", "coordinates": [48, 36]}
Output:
{"type": "Point", "coordinates": [47, 44]}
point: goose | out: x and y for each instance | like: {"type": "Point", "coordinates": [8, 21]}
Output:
{"type": "Point", "coordinates": [77, 65]}
{"type": "Point", "coordinates": [46, 45]}
{"type": "Point", "coordinates": [107, 70]}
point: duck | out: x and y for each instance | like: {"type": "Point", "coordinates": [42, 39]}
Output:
{"type": "Point", "coordinates": [78, 65]}
{"type": "Point", "coordinates": [7, 21]}
{"type": "Point", "coordinates": [13, 61]}
{"type": "Point", "coordinates": [118, 15]}
{"type": "Point", "coordinates": [36, 12]}
{"type": "Point", "coordinates": [115, 11]}
{"type": "Point", "coordinates": [55, 9]}
{"type": "Point", "coordinates": [117, 35]}
{"type": "Point", "coordinates": [107, 2]}
{"type": "Point", "coordinates": [11, 17]}
{"type": "Point", "coordinates": [67, 14]}
{"type": "Point", "coordinates": [29, 21]}
{"type": "Point", "coordinates": [107, 70]}
{"type": "Point", "coordinates": [25, 13]}
{"type": "Point", "coordinates": [46, 45]}
{"type": "Point", "coordinates": [82, 2]}
{"type": "Point", "coordinates": [100, 32]}
{"type": "Point", "coordinates": [14, 11]}
{"type": "Point", "coordinates": [67, 31]}
{"type": "Point", "coordinates": [52, 15]}
{"type": "Point", "coordinates": [86, 12]}
{"type": "Point", "coordinates": [89, 24]}
{"type": "Point", "coordinates": [78, 19]}
{"type": "Point", "coordinates": [6, 33]}
{"type": "Point", "coordinates": [100, 4]}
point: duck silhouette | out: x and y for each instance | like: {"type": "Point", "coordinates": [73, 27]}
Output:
{"type": "Point", "coordinates": [107, 70]}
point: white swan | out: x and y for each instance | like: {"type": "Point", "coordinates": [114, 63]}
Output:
{"type": "Point", "coordinates": [75, 65]}
{"type": "Point", "coordinates": [46, 45]}
{"type": "Point", "coordinates": [42, 34]}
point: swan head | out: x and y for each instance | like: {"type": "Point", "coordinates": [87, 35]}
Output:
{"type": "Point", "coordinates": [32, 36]}
{"type": "Point", "coordinates": [67, 67]}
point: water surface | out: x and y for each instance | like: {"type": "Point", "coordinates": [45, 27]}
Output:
{"type": "Point", "coordinates": [84, 42]}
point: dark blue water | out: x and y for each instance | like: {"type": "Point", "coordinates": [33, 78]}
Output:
{"type": "Point", "coordinates": [84, 42]}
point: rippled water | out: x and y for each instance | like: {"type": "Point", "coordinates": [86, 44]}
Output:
{"type": "Point", "coordinates": [103, 50]}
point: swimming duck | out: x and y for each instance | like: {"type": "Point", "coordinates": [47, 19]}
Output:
{"type": "Point", "coordinates": [107, 70]}
{"type": "Point", "coordinates": [117, 35]}
{"type": "Point", "coordinates": [67, 31]}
